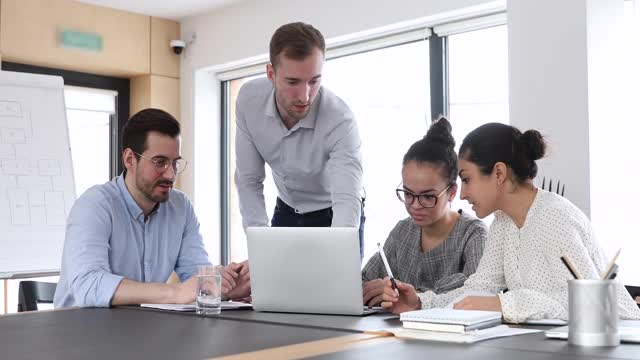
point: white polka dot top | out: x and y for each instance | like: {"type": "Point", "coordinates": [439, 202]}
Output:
{"type": "Point", "coordinates": [526, 261]}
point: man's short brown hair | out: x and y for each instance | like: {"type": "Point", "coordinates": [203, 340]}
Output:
{"type": "Point", "coordinates": [296, 41]}
{"type": "Point", "coordinates": [137, 129]}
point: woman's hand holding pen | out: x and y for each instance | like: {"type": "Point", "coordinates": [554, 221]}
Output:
{"type": "Point", "coordinates": [405, 299]}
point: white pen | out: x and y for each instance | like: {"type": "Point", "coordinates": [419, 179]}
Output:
{"type": "Point", "coordinates": [607, 272]}
{"type": "Point", "coordinates": [386, 266]}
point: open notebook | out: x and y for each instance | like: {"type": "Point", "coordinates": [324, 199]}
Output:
{"type": "Point", "coordinates": [225, 305]}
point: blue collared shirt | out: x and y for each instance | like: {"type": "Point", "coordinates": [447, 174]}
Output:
{"type": "Point", "coordinates": [107, 239]}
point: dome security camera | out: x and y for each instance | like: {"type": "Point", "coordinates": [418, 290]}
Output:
{"type": "Point", "coordinates": [177, 46]}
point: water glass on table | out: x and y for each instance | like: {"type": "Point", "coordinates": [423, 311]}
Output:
{"type": "Point", "coordinates": [209, 290]}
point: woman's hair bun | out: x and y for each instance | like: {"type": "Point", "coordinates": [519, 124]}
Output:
{"type": "Point", "coordinates": [532, 144]}
{"type": "Point", "coordinates": [440, 131]}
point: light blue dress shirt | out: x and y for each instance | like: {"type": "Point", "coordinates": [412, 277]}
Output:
{"type": "Point", "coordinates": [315, 165]}
{"type": "Point", "coordinates": [107, 239]}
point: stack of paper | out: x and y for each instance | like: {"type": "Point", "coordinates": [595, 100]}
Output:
{"type": "Point", "coordinates": [464, 326]}
{"type": "Point", "coordinates": [470, 337]}
{"type": "Point", "coordinates": [225, 305]}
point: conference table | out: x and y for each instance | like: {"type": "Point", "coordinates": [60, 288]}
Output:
{"type": "Point", "coordinates": [140, 333]}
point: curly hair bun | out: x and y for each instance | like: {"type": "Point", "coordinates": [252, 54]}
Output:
{"type": "Point", "coordinates": [440, 131]}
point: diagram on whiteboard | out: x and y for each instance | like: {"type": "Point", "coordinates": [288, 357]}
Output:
{"type": "Point", "coordinates": [37, 187]}
{"type": "Point", "coordinates": [28, 181]}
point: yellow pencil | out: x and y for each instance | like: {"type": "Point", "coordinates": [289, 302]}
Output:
{"type": "Point", "coordinates": [572, 269]}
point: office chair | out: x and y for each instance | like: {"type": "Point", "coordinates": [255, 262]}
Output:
{"type": "Point", "coordinates": [30, 293]}
{"type": "Point", "coordinates": [634, 291]}
{"type": "Point", "coordinates": [557, 190]}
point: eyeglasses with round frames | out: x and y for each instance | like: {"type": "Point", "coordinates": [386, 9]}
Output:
{"type": "Point", "coordinates": [162, 164]}
{"type": "Point", "coordinates": [426, 200]}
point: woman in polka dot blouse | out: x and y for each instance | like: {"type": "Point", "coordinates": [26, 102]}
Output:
{"type": "Point", "coordinates": [531, 230]}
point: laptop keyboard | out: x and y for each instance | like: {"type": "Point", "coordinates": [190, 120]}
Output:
{"type": "Point", "coordinates": [373, 310]}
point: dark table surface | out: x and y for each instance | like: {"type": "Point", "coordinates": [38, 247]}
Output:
{"type": "Point", "coordinates": [373, 322]}
{"type": "Point", "coordinates": [131, 332]}
{"type": "Point", "coordinates": [128, 333]}
{"type": "Point", "coordinates": [522, 347]}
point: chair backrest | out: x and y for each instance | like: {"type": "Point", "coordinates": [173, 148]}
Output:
{"type": "Point", "coordinates": [558, 190]}
{"type": "Point", "coordinates": [634, 291]}
{"type": "Point", "coordinates": [30, 293]}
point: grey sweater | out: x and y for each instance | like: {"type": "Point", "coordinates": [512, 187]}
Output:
{"type": "Point", "coordinates": [443, 268]}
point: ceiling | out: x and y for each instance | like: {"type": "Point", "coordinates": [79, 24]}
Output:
{"type": "Point", "coordinates": [167, 9]}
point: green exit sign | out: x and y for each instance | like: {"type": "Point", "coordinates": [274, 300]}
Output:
{"type": "Point", "coordinates": [80, 40]}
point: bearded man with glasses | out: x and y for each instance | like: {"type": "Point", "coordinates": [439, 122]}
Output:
{"type": "Point", "coordinates": [125, 238]}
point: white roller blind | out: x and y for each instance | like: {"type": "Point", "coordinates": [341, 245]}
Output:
{"type": "Point", "coordinates": [339, 48]}
{"type": "Point", "coordinates": [377, 43]}
{"type": "Point", "coordinates": [368, 42]}
{"type": "Point", "coordinates": [81, 98]}
{"type": "Point", "coordinates": [478, 23]}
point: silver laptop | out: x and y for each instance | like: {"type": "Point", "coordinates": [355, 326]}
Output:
{"type": "Point", "coordinates": [305, 270]}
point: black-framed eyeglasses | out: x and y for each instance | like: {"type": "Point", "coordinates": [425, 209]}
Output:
{"type": "Point", "coordinates": [426, 200]}
{"type": "Point", "coordinates": [162, 164]}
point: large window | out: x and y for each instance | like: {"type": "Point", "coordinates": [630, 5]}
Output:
{"type": "Point", "coordinates": [89, 114]}
{"type": "Point", "coordinates": [238, 243]}
{"type": "Point", "coordinates": [389, 92]}
{"type": "Point", "coordinates": [478, 89]}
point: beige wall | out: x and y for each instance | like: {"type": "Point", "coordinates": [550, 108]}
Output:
{"type": "Point", "coordinates": [134, 46]}
{"type": "Point", "coordinates": [30, 31]}
{"type": "Point", "coordinates": [156, 91]}
{"type": "Point", "coordinates": [163, 61]}
{"type": "Point", "coordinates": [159, 88]}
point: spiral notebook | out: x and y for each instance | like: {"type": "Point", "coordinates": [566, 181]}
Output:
{"type": "Point", "coordinates": [450, 320]}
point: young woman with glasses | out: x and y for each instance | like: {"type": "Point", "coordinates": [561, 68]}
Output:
{"type": "Point", "coordinates": [435, 248]}
{"type": "Point", "coordinates": [532, 229]}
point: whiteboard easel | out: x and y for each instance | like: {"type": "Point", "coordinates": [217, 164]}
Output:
{"type": "Point", "coordinates": [36, 174]}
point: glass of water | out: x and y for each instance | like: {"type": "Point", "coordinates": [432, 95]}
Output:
{"type": "Point", "coordinates": [209, 290]}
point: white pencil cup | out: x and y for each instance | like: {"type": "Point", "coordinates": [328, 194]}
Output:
{"type": "Point", "coordinates": [593, 313]}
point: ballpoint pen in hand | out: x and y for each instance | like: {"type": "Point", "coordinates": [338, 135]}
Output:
{"type": "Point", "coordinates": [386, 266]}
